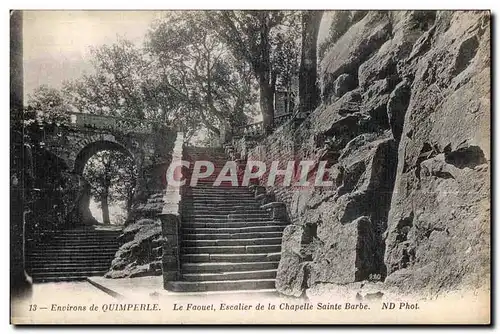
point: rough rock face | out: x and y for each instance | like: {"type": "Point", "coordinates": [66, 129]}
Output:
{"type": "Point", "coordinates": [438, 233]}
{"type": "Point", "coordinates": [404, 126]}
{"type": "Point", "coordinates": [141, 250]}
{"type": "Point", "coordinates": [141, 253]}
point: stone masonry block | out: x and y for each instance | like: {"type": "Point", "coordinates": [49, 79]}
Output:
{"type": "Point", "coordinates": [278, 210]}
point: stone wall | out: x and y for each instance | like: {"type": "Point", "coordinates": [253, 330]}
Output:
{"type": "Point", "coordinates": [60, 198]}
{"type": "Point", "coordinates": [404, 126]}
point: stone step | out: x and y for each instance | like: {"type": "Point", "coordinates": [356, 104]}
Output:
{"type": "Point", "coordinates": [213, 158]}
{"type": "Point", "coordinates": [70, 269]}
{"type": "Point", "coordinates": [97, 244]}
{"type": "Point", "coordinates": [228, 208]}
{"type": "Point", "coordinates": [217, 202]}
{"type": "Point", "coordinates": [204, 154]}
{"type": "Point", "coordinates": [76, 239]}
{"type": "Point", "coordinates": [218, 167]}
{"type": "Point", "coordinates": [246, 235]}
{"type": "Point", "coordinates": [211, 184]}
{"type": "Point", "coordinates": [45, 263]}
{"type": "Point", "coordinates": [204, 184]}
{"type": "Point", "coordinates": [224, 212]}
{"type": "Point", "coordinates": [227, 241]}
{"type": "Point", "coordinates": [232, 242]}
{"type": "Point", "coordinates": [188, 224]}
{"type": "Point", "coordinates": [61, 248]}
{"type": "Point", "coordinates": [214, 267]}
{"type": "Point", "coordinates": [90, 252]}
{"type": "Point", "coordinates": [87, 247]}
{"type": "Point", "coordinates": [257, 257]}
{"type": "Point", "coordinates": [69, 257]}
{"type": "Point", "coordinates": [231, 249]}
{"type": "Point", "coordinates": [213, 198]}
{"type": "Point", "coordinates": [226, 217]}
{"type": "Point", "coordinates": [89, 231]}
{"type": "Point", "coordinates": [212, 177]}
{"type": "Point", "coordinates": [251, 214]}
{"type": "Point", "coordinates": [103, 244]}
{"type": "Point", "coordinates": [65, 276]}
{"type": "Point", "coordinates": [64, 259]}
{"type": "Point", "coordinates": [115, 229]}
{"type": "Point", "coordinates": [225, 220]}
{"type": "Point", "coordinates": [223, 230]}
{"type": "Point", "coordinates": [237, 205]}
{"type": "Point", "coordinates": [220, 197]}
{"type": "Point", "coordinates": [82, 243]}
{"type": "Point", "coordinates": [46, 279]}
{"type": "Point", "coordinates": [72, 254]}
{"type": "Point", "coordinates": [238, 275]}
{"type": "Point", "coordinates": [250, 284]}
{"type": "Point", "coordinates": [86, 236]}
{"type": "Point", "coordinates": [203, 189]}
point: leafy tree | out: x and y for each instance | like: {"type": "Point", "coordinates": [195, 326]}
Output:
{"type": "Point", "coordinates": [207, 80]}
{"type": "Point", "coordinates": [111, 175]}
{"type": "Point", "coordinates": [260, 38]}
{"type": "Point", "coordinates": [116, 84]}
{"type": "Point", "coordinates": [308, 90]}
{"type": "Point", "coordinates": [50, 104]}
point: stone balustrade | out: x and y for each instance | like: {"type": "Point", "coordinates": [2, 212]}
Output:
{"type": "Point", "coordinates": [281, 119]}
{"type": "Point", "coordinates": [250, 130]}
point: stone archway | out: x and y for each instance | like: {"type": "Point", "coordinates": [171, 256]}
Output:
{"type": "Point", "coordinates": [83, 213]}
{"type": "Point", "coordinates": [89, 150]}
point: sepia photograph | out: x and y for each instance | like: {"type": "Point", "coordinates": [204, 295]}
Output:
{"type": "Point", "coordinates": [250, 167]}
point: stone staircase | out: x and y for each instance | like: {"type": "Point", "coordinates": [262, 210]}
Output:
{"type": "Point", "coordinates": [228, 241]}
{"type": "Point", "coordinates": [73, 254]}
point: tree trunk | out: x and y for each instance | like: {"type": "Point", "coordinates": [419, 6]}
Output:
{"type": "Point", "coordinates": [105, 209]}
{"type": "Point", "coordinates": [266, 78]}
{"type": "Point", "coordinates": [308, 90]}
{"type": "Point", "coordinates": [266, 104]}
{"type": "Point", "coordinates": [130, 199]}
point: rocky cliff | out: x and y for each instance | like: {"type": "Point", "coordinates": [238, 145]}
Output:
{"type": "Point", "coordinates": [404, 124]}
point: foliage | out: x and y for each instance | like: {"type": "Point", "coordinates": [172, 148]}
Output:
{"type": "Point", "coordinates": [207, 80]}
{"type": "Point", "coordinates": [269, 41]}
{"type": "Point", "coordinates": [111, 175]}
{"type": "Point", "coordinates": [196, 70]}
{"type": "Point", "coordinates": [266, 40]}
{"type": "Point", "coordinates": [48, 104]}
{"type": "Point", "coordinates": [123, 83]}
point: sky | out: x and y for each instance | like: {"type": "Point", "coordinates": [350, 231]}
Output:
{"type": "Point", "coordinates": [56, 44]}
